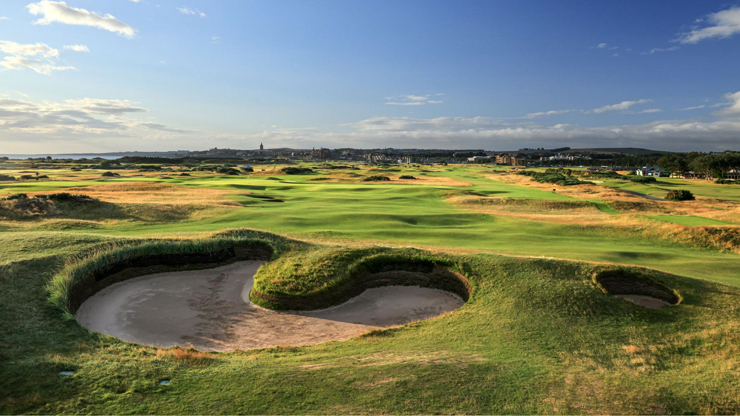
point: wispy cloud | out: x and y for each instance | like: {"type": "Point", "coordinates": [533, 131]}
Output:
{"type": "Point", "coordinates": [192, 12]}
{"type": "Point", "coordinates": [720, 25]}
{"type": "Point", "coordinates": [38, 57]}
{"type": "Point", "coordinates": [546, 113]}
{"type": "Point", "coordinates": [70, 118]}
{"type": "Point", "coordinates": [414, 100]}
{"type": "Point", "coordinates": [656, 50]}
{"type": "Point", "coordinates": [59, 12]}
{"type": "Point", "coordinates": [623, 106]}
{"type": "Point", "coordinates": [651, 110]}
{"type": "Point", "coordinates": [691, 108]}
{"type": "Point", "coordinates": [77, 48]}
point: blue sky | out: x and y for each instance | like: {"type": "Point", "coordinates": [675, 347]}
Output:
{"type": "Point", "coordinates": [108, 75]}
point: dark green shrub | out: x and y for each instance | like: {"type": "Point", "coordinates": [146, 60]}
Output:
{"type": "Point", "coordinates": [110, 175]}
{"type": "Point", "coordinates": [376, 178]}
{"type": "Point", "coordinates": [291, 170]}
{"type": "Point", "coordinates": [641, 179]}
{"type": "Point", "coordinates": [66, 197]}
{"type": "Point", "coordinates": [406, 177]}
{"type": "Point", "coordinates": [16, 196]}
{"type": "Point", "coordinates": [680, 195]}
{"type": "Point", "coordinates": [553, 177]}
{"type": "Point", "coordinates": [228, 171]}
{"type": "Point", "coordinates": [6, 178]}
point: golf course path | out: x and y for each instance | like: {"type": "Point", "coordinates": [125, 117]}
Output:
{"type": "Point", "coordinates": [210, 310]}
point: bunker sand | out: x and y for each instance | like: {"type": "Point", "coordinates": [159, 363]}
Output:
{"type": "Point", "coordinates": [210, 310]}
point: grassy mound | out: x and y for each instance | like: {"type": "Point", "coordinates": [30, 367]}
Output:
{"type": "Point", "coordinates": [86, 275]}
{"type": "Point", "coordinates": [323, 278]}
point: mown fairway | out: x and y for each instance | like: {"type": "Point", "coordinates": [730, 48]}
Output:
{"type": "Point", "coordinates": [536, 337]}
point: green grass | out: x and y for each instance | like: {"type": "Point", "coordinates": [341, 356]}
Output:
{"type": "Point", "coordinates": [407, 215]}
{"type": "Point", "coordinates": [699, 188]}
{"type": "Point", "coordinates": [690, 220]}
{"type": "Point", "coordinates": [537, 336]}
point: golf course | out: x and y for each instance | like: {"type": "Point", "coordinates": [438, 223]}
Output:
{"type": "Point", "coordinates": [355, 288]}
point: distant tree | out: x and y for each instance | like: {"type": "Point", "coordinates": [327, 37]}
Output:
{"type": "Point", "coordinates": [716, 164]}
{"type": "Point", "coordinates": [675, 162]}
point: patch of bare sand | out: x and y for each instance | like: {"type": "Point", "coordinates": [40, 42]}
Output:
{"type": "Point", "coordinates": [646, 301]}
{"type": "Point", "coordinates": [152, 193]}
{"type": "Point", "coordinates": [210, 310]}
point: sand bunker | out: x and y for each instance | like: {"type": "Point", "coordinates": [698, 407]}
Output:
{"type": "Point", "coordinates": [636, 289]}
{"type": "Point", "coordinates": [210, 310]}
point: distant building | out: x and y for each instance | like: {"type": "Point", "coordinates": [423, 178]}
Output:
{"type": "Point", "coordinates": [262, 147]}
{"type": "Point", "coordinates": [503, 160]}
{"type": "Point", "coordinates": [650, 171]}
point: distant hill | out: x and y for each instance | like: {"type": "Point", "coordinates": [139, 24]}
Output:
{"type": "Point", "coordinates": [636, 151]}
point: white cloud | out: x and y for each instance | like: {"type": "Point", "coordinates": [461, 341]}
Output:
{"type": "Point", "coordinates": [671, 49]}
{"type": "Point", "coordinates": [720, 25]}
{"type": "Point", "coordinates": [733, 109]}
{"type": "Point", "coordinates": [192, 12]}
{"type": "Point", "coordinates": [20, 62]}
{"type": "Point", "coordinates": [215, 39]}
{"type": "Point", "coordinates": [546, 113]}
{"type": "Point", "coordinates": [651, 110]}
{"type": "Point", "coordinates": [87, 116]}
{"type": "Point", "coordinates": [59, 12]}
{"type": "Point", "coordinates": [38, 57]}
{"type": "Point", "coordinates": [4, 18]}
{"type": "Point", "coordinates": [615, 55]}
{"type": "Point", "coordinates": [35, 49]}
{"type": "Point", "coordinates": [407, 103]}
{"type": "Point", "coordinates": [691, 108]}
{"type": "Point", "coordinates": [623, 106]}
{"type": "Point", "coordinates": [601, 45]}
{"type": "Point", "coordinates": [414, 100]}
{"type": "Point", "coordinates": [77, 48]}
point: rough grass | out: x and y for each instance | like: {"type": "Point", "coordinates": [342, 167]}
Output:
{"type": "Point", "coordinates": [537, 336]}
{"type": "Point", "coordinates": [324, 277]}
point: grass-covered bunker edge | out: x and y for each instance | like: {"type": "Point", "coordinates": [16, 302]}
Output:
{"type": "Point", "coordinates": [328, 276]}
{"type": "Point", "coordinates": [84, 275]}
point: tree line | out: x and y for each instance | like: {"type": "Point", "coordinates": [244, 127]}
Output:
{"type": "Point", "coordinates": [711, 165]}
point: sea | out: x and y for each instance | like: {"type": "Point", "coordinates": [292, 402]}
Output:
{"type": "Point", "coordinates": [71, 156]}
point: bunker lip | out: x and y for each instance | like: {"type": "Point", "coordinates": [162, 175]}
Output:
{"type": "Point", "coordinates": [120, 271]}
{"type": "Point", "coordinates": [210, 310]}
{"type": "Point", "coordinates": [406, 273]}
{"type": "Point", "coordinates": [637, 288]}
